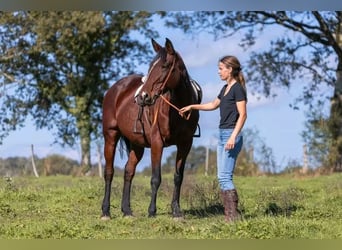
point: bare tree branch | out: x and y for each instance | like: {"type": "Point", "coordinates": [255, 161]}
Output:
{"type": "Point", "coordinates": [328, 33]}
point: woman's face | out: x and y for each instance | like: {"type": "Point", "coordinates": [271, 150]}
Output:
{"type": "Point", "coordinates": [224, 72]}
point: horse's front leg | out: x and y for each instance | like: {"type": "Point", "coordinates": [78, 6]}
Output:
{"type": "Point", "coordinates": [182, 153]}
{"type": "Point", "coordinates": [134, 157]}
{"type": "Point", "coordinates": [111, 138]}
{"type": "Point", "coordinates": [156, 154]}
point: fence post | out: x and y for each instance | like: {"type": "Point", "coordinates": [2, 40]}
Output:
{"type": "Point", "coordinates": [33, 163]}
{"type": "Point", "coordinates": [305, 160]}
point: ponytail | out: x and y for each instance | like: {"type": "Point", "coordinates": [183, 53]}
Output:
{"type": "Point", "coordinates": [241, 80]}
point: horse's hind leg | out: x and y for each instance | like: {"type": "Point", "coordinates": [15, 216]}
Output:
{"type": "Point", "coordinates": [111, 139]}
{"type": "Point", "coordinates": [134, 157]}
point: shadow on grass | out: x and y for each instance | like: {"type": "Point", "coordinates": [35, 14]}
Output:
{"type": "Point", "coordinates": [212, 210]}
{"type": "Point", "coordinates": [273, 209]}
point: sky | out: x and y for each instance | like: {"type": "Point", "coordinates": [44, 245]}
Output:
{"type": "Point", "coordinates": [278, 125]}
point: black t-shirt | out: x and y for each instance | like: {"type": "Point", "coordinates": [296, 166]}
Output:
{"type": "Point", "coordinates": [228, 109]}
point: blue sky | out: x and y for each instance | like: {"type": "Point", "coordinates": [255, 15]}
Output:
{"type": "Point", "coordinates": [278, 125]}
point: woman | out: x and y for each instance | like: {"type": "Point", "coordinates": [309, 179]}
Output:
{"type": "Point", "coordinates": [232, 101]}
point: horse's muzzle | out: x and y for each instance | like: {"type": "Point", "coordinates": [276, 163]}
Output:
{"type": "Point", "coordinates": [145, 99]}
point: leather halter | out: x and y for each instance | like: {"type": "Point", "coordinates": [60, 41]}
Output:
{"type": "Point", "coordinates": [150, 101]}
{"type": "Point", "coordinates": [145, 100]}
{"type": "Point", "coordinates": [161, 88]}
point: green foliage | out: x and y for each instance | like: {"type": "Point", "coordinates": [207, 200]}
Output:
{"type": "Point", "coordinates": [202, 198]}
{"type": "Point", "coordinates": [64, 207]}
{"type": "Point", "coordinates": [57, 65]}
{"type": "Point", "coordinates": [317, 137]}
{"type": "Point", "coordinates": [14, 166]}
{"type": "Point", "coordinates": [195, 161]}
{"type": "Point", "coordinates": [308, 49]}
{"type": "Point", "coordinates": [246, 165]}
{"type": "Point", "coordinates": [323, 149]}
{"type": "Point", "coordinates": [49, 165]}
{"type": "Point", "coordinates": [280, 202]}
{"type": "Point", "coordinates": [302, 49]}
{"type": "Point", "coordinates": [255, 157]}
{"type": "Point", "coordinates": [58, 164]}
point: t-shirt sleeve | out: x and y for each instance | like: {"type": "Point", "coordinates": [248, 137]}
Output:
{"type": "Point", "coordinates": [240, 94]}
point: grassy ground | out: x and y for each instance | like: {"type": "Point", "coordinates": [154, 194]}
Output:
{"type": "Point", "coordinates": [277, 207]}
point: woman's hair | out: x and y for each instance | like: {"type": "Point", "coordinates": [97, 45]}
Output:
{"type": "Point", "coordinates": [232, 61]}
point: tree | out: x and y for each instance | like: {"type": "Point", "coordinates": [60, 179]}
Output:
{"type": "Point", "coordinates": [15, 166]}
{"type": "Point", "coordinates": [195, 159]}
{"type": "Point", "coordinates": [310, 50]}
{"type": "Point", "coordinates": [318, 139]}
{"type": "Point", "coordinates": [255, 157]}
{"type": "Point", "coordinates": [56, 66]}
{"type": "Point", "coordinates": [58, 164]}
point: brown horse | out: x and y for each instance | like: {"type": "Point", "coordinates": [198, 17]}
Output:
{"type": "Point", "coordinates": [144, 112]}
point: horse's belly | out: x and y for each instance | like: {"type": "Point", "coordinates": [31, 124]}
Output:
{"type": "Point", "coordinates": [136, 130]}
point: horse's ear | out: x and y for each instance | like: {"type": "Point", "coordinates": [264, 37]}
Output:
{"type": "Point", "coordinates": [169, 47]}
{"type": "Point", "coordinates": [155, 45]}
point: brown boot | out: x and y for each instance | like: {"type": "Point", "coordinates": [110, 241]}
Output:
{"type": "Point", "coordinates": [230, 201]}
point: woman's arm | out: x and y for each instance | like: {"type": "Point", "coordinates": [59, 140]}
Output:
{"type": "Point", "coordinates": [205, 106]}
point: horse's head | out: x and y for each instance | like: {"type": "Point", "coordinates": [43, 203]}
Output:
{"type": "Point", "coordinates": [165, 72]}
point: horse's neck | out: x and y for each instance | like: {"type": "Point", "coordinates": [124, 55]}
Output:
{"type": "Point", "coordinates": [183, 94]}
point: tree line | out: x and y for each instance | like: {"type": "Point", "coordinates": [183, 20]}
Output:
{"type": "Point", "coordinates": [57, 65]}
{"type": "Point", "coordinates": [54, 164]}
{"type": "Point", "coordinates": [256, 158]}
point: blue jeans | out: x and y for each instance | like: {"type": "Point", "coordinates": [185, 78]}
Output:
{"type": "Point", "coordinates": [226, 159]}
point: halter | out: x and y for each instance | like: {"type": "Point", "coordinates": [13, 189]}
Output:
{"type": "Point", "coordinates": [145, 100]}
{"type": "Point", "coordinates": [162, 86]}
{"type": "Point", "coordinates": [150, 101]}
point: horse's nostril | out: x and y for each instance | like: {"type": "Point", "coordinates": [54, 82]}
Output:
{"type": "Point", "coordinates": [145, 97]}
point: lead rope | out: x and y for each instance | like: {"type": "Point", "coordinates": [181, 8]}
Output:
{"type": "Point", "coordinates": [185, 117]}
{"type": "Point", "coordinates": [173, 106]}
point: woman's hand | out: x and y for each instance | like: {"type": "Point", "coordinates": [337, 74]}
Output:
{"type": "Point", "coordinates": [230, 143]}
{"type": "Point", "coordinates": [184, 110]}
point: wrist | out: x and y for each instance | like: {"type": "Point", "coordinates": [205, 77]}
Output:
{"type": "Point", "coordinates": [232, 137]}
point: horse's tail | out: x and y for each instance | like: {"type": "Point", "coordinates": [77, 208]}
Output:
{"type": "Point", "coordinates": [124, 146]}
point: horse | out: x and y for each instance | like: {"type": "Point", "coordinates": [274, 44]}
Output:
{"type": "Point", "coordinates": [143, 111]}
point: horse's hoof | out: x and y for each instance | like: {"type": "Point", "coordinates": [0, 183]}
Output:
{"type": "Point", "coordinates": [105, 217]}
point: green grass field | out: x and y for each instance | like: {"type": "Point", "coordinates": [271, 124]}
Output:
{"type": "Point", "coordinates": [276, 207]}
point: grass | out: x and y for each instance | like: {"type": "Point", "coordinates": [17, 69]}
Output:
{"type": "Point", "coordinates": [276, 207]}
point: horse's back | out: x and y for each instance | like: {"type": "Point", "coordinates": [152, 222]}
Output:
{"type": "Point", "coordinates": [124, 86]}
